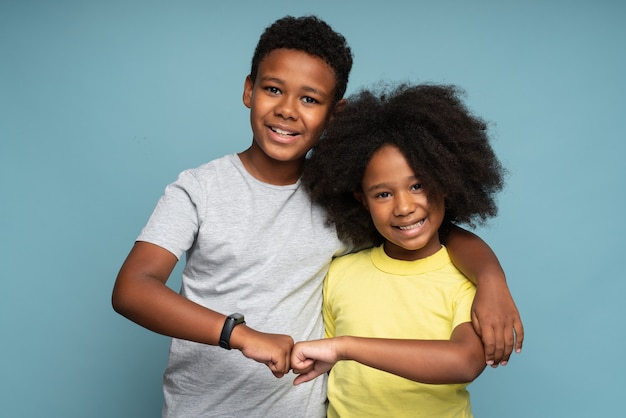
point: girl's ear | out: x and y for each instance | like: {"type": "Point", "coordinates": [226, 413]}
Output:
{"type": "Point", "coordinates": [359, 196]}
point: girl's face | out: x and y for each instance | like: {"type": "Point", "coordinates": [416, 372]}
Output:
{"type": "Point", "coordinates": [400, 208]}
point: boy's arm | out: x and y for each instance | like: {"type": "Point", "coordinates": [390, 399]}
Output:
{"type": "Point", "coordinates": [141, 295]}
{"type": "Point", "coordinates": [494, 314]}
{"type": "Point", "coordinates": [458, 360]}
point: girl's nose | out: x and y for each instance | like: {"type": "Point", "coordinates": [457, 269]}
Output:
{"type": "Point", "coordinates": [403, 205]}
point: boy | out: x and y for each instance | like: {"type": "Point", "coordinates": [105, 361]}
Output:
{"type": "Point", "coordinates": [254, 244]}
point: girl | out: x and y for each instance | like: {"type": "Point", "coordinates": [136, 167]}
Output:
{"type": "Point", "coordinates": [397, 171]}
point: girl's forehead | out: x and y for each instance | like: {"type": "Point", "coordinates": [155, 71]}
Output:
{"type": "Point", "coordinates": [388, 163]}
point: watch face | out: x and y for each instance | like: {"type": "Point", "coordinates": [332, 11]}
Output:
{"type": "Point", "coordinates": [237, 317]}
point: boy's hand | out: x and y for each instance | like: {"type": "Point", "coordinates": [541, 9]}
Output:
{"type": "Point", "coordinates": [273, 350]}
{"type": "Point", "coordinates": [310, 359]}
{"type": "Point", "coordinates": [497, 320]}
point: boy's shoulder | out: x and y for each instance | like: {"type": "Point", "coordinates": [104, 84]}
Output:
{"type": "Point", "coordinates": [225, 160]}
{"type": "Point", "coordinates": [218, 166]}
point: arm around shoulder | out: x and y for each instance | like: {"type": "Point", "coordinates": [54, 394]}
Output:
{"type": "Point", "coordinates": [494, 313]}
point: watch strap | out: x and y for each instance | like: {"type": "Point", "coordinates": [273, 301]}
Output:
{"type": "Point", "coordinates": [231, 322]}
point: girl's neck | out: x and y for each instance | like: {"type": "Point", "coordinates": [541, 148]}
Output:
{"type": "Point", "coordinates": [399, 253]}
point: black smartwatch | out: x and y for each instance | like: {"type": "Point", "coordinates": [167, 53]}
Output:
{"type": "Point", "coordinates": [231, 322]}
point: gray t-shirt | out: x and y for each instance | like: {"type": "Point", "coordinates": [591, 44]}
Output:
{"type": "Point", "coordinates": [254, 248]}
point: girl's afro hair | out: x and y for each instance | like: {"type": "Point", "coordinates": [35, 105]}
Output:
{"type": "Point", "coordinates": [447, 147]}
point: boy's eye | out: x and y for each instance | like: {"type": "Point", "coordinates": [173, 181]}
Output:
{"type": "Point", "coordinates": [309, 100]}
{"type": "Point", "coordinates": [273, 90]}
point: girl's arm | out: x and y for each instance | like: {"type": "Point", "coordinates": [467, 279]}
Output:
{"type": "Point", "coordinates": [457, 360]}
{"type": "Point", "coordinates": [141, 295]}
{"type": "Point", "coordinates": [494, 314]}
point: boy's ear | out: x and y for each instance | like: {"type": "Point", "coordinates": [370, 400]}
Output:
{"type": "Point", "coordinates": [339, 107]}
{"type": "Point", "coordinates": [248, 88]}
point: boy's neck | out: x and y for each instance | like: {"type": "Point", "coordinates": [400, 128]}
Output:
{"type": "Point", "coordinates": [267, 170]}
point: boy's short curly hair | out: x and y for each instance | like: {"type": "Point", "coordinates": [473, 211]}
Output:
{"type": "Point", "coordinates": [447, 147]}
{"type": "Point", "coordinates": [313, 36]}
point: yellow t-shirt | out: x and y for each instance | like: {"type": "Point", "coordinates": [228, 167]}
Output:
{"type": "Point", "coordinates": [369, 294]}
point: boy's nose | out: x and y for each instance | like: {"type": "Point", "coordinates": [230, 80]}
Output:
{"type": "Point", "coordinates": [287, 109]}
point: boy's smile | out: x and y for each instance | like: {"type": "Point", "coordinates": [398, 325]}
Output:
{"type": "Point", "coordinates": [290, 103]}
{"type": "Point", "coordinates": [400, 208]}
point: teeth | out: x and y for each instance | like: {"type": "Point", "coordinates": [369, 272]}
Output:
{"type": "Point", "coordinates": [415, 225]}
{"type": "Point", "coordinates": [281, 132]}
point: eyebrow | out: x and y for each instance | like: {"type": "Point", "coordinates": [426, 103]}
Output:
{"type": "Point", "coordinates": [305, 88]}
{"type": "Point", "coordinates": [385, 186]}
{"type": "Point", "coordinates": [376, 187]}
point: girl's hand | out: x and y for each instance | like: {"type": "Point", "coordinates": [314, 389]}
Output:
{"type": "Point", "coordinates": [310, 359]}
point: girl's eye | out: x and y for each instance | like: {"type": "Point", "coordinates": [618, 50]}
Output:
{"type": "Point", "coordinates": [416, 187]}
{"type": "Point", "coordinates": [382, 195]}
{"type": "Point", "coordinates": [309, 100]}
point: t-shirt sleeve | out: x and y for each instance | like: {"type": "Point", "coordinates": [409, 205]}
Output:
{"type": "Point", "coordinates": [327, 312]}
{"type": "Point", "coordinates": [464, 300]}
{"type": "Point", "coordinates": [174, 222]}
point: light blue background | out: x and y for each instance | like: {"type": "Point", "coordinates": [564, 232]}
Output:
{"type": "Point", "coordinates": [103, 103]}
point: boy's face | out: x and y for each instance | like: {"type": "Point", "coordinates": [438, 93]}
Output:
{"type": "Point", "coordinates": [400, 208]}
{"type": "Point", "coordinates": [290, 103]}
